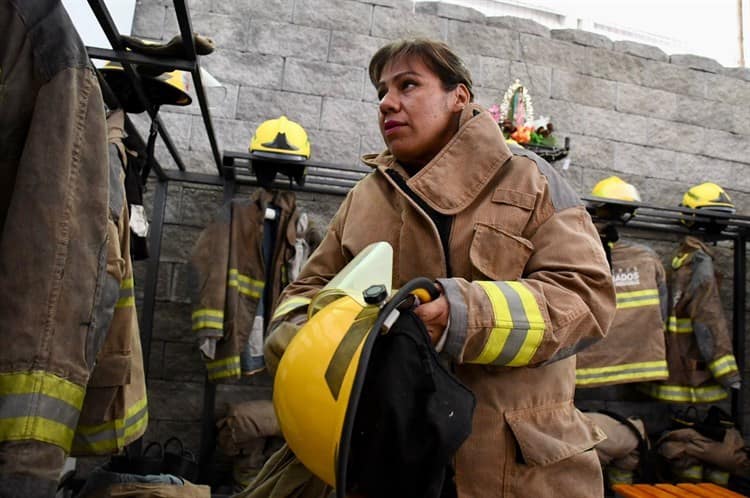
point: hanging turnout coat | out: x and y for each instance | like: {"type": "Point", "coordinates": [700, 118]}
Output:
{"type": "Point", "coordinates": [62, 264]}
{"type": "Point", "coordinates": [699, 344]}
{"type": "Point", "coordinates": [228, 275]}
{"type": "Point", "coordinates": [641, 288]}
{"type": "Point", "coordinates": [528, 285]}
{"type": "Point", "coordinates": [114, 411]}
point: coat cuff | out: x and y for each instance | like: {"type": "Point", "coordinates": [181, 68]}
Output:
{"type": "Point", "coordinates": [455, 335]}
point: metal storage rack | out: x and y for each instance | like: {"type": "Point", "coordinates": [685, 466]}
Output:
{"type": "Point", "coordinates": [711, 226]}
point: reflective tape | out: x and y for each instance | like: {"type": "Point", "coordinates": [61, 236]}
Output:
{"type": "Point", "coordinates": [113, 435]}
{"type": "Point", "coordinates": [519, 325]}
{"type": "Point", "coordinates": [40, 406]}
{"type": "Point", "coordinates": [680, 325]}
{"type": "Point", "coordinates": [619, 476]}
{"type": "Point", "coordinates": [723, 365]}
{"type": "Point", "coordinates": [716, 476]}
{"type": "Point", "coordinates": [245, 285]}
{"type": "Point", "coordinates": [637, 299]}
{"type": "Point", "coordinates": [694, 472]}
{"type": "Point", "coordinates": [678, 261]}
{"type": "Point", "coordinates": [227, 367]}
{"type": "Point", "coordinates": [208, 318]}
{"type": "Point", "coordinates": [684, 394]}
{"type": "Point", "coordinates": [127, 296]}
{"type": "Point", "coordinates": [628, 372]}
{"type": "Point", "coordinates": [289, 305]}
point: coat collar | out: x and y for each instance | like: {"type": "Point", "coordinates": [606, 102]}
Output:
{"type": "Point", "coordinates": [459, 172]}
{"type": "Point", "coordinates": [691, 244]}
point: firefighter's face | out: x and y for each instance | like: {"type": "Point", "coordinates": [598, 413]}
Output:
{"type": "Point", "coordinates": [417, 115]}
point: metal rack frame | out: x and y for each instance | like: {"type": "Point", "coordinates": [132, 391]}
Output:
{"type": "Point", "coordinates": [190, 63]}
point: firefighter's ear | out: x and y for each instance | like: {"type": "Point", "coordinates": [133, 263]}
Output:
{"type": "Point", "coordinates": [461, 97]}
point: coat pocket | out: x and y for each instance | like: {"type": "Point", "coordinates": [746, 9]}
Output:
{"type": "Point", "coordinates": [496, 254]}
{"type": "Point", "coordinates": [512, 209]}
{"type": "Point", "coordinates": [554, 454]}
{"type": "Point", "coordinates": [550, 435]}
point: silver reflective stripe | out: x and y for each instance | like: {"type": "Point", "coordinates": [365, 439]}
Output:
{"type": "Point", "coordinates": [212, 319]}
{"type": "Point", "coordinates": [39, 405]}
{"type": "Point", "coordinates": [109, 433]}
{"type": "Point", "coordinates": [520, 328]}
{"type": "Point", "coordinates": [227, 367]}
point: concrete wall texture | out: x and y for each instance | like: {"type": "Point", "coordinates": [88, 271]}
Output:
{"type": "Point", "coordinates": [662, 122]}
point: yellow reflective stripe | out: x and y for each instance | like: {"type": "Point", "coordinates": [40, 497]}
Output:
{"type": "Point", "coordinates": [227, 367]}
{"type": "Point", "coordinates": [208, 318]}
{"type": "Point", "coordinates": [290, 304]}
{"type": "Point", "coordinates": [723, 366]}
{"type": "Point", "coordinates": [716, 476]}
{"type": "Point", "coordinates": [54, 402]}
{"type": "Point", "coordinates": [127, 299]}
{"type": "Point", "coordinates": [685, 394]}
{"type": "Point", "coordinates": [519, 326]}
{"type": "Point", "coordinates": [677, 261]}
{"type": "Point", "coordinates": [646, 370]}
{"type": "Point", "coordinates": [47, 384]}
{"type": "Point", "coordinates": [619, 476]}
{"type": "Point", "coordinates": [680, 325]}
{"type": "Point", "coordinates": [636, 299]}
{"type": "Point", "coordinates": [38, 429]}
{"type": "Point", "coordinates": [693, 472]}
{"type": "Point", "coordinates": [114, 434]}
{"type": "Point", "coordinates": [244, 284]}
{"type": "Point", "coordinates": [503, 324]}
{"type": "Point", "coordinates": [126, 302]}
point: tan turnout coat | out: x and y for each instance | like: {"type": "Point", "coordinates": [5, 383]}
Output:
{"type": "Point", "coordinates": [529, 286]}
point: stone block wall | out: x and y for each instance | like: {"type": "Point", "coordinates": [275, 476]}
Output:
{"type": "Point", "coordinates": [662, 122]}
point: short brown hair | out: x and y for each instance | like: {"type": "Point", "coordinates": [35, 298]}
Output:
{"type": "Point", "coordinates": [435, 54]}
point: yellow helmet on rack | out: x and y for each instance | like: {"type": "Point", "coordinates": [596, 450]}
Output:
{"type": "Point", "coordinates": [166, 88]}
{"type": "Point", "coordinates": [280, 138]}
{"type": "Point", "coordinates": [708, 196]}
{"type": "Point", "coordinates": [615, 187]}
{"type": "Point", "coordinates": [315, 383]}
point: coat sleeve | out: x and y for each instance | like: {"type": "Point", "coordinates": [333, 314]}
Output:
{"type": "Point", "coordinates": [563, 302]}
{"type": "Point", "coordinates": [208, 267]}
{"type": "Point", "coordinates": [709, 324]}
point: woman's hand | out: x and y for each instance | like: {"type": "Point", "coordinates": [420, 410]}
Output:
{"type": "Point", "coordinates": [434, 314]}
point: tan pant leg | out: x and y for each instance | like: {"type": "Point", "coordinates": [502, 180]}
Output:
{"type": "Point", "coordinates": [29, 469]}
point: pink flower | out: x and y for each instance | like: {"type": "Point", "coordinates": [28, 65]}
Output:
{"type": "Point", "coordinates": [495, 112]}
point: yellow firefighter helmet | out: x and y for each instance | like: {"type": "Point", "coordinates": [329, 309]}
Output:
{"type": "Point", "coordinates": [615, 187]}
{"type": "Point", "coordinates": [708, 196]}
{"type": "Point", "coordinates": [280, 138]}
{"type": "Point", "coordinates": [325, 362]}
{"type": "Point", "coordinates": [168, 88]}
